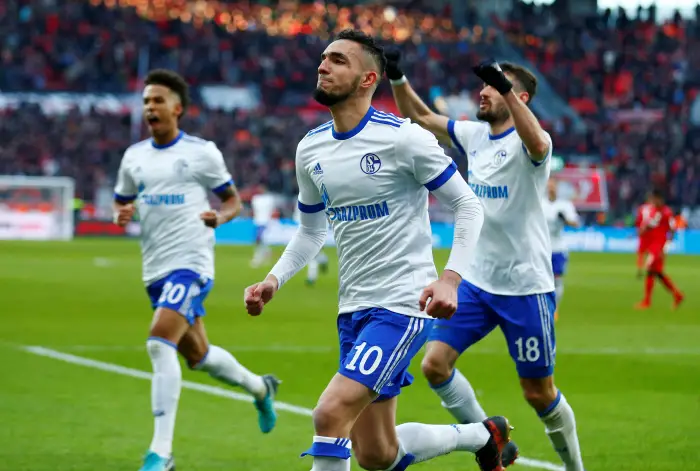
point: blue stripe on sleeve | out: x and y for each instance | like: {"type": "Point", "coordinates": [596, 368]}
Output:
{"type": "Point", "coordinates": [311, 208]}
{"type": "Point", "coordinates": [441, 179]}
{"type": "Point", "coordinates": [535, 162]}
{"type": "Point", "coordinates": [124, 198]}
{"type": "Point", "coordinates": [222, 187]}
{"type": "Point", "coordinates": [453, 136]}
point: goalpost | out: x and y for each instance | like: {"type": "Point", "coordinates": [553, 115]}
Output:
{"type": "Point", "coordinates": [36, 208]}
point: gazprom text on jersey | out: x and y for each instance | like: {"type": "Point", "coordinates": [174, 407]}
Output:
{"type": "Point", "coordinates": [361, 213]}
{"type": "Point", "coordinates": [166, 199]}
{"type": "Point", "coordinates": [491, 192]}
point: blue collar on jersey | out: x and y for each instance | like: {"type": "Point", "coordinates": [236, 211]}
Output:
{"type": "Point", "coordinates": [341, 136]}
{"type": "Point", "coordinates": [502, 135]}
{"type": "Point", "coordinates": [169, 144]}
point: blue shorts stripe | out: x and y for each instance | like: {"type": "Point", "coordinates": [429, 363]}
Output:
{"type": "Point", "coordinates": [543, 328]}
{"type": "Point", "coordinates": [415, 327]}
{"type": "Point", "coordinates": [546, 330]}
{"type": "Point", "coordinates": [386, 372]}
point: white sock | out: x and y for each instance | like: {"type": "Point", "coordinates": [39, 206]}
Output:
{"type": "Point", "coordinates": [223, 366]}
{"type": "Point", "coordinates": [312, 274]}
{"type": "Point", "coordinates": [322, 258]}
{"type": "Point", "coordinates": [426, 442]}
{"type": "Point", "coordinates": [560, 426]}
{"type": "Point", "coordinates": [558, 289]}
{"type": "Point", "coordinates": [165, 393]}
{"type": "Point", "coordinates": [459, 399]}
{"type": "Point", "coordinates": [330, 453]}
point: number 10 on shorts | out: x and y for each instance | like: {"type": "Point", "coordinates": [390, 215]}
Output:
{"type": "Point", "coordinates": [373, 355]}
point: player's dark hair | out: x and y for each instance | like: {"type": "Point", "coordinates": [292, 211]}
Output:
{"type": "Point", "coordinates": [369, 45]}
{"type": "Point", "coordinates": [173, 81]}
{"type": "Point", "coordinates": [526, 80]}
{"type": "Point", "coordinates": [658, 193]}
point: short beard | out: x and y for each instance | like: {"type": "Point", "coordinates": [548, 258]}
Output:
{"type": "Point", "coordinates": [493, 116]}
{"type": "Point", "coordinates": [330, 99]}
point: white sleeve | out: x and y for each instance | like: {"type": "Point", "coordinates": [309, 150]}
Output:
{"type": "Point", "coordinates": [125, 190]}
{"type": "Point", "coordinates": [427, 161]}
{"type": "Point", "coordinates": [570, 213]}
{"type": "Point", "coordinates": [461, 133]}
{"type": "Point", "coordinates": [310, 200]}
{"type": "Point", "coordinates": [311, 234]}
{"type": "Point", "coordinates": [304, 246]}
{"type": "Point", "coordinates": [213, 174]}
{"type": "Point", "coordinates": [456, 194]}
{"type": "Point", "coordinates": [538, 163]}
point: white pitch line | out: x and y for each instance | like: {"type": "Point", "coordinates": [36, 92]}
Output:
{"type": "Point", "coordinates": [215, 391]}
{"type": "Point", "coordinates": [611, 351]}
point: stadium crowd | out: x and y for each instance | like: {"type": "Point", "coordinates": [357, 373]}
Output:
{"type": "Point", "coordinates": [633, 80]}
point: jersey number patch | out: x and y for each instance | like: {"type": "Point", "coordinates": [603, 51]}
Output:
{"type": "Point", "coordinates": [375, 352]}
{"type": "Point", "coordinates": [172, 293]}
{"type": "Point", "coordinates": [531, 352]}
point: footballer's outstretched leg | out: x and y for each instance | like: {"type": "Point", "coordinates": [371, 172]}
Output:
{"type": "Point", "coordinates": [223, 366]}
{"type": "Point", "coordinates": [456, 393]}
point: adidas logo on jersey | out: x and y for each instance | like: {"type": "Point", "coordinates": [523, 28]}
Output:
{"type": "Point", "coordinates": [317, 170]}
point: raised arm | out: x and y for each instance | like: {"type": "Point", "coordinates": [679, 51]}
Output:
{"type": "Point", "coordinates": [534, 138]}
{"type": "Point", "coordinates": [410, 104]}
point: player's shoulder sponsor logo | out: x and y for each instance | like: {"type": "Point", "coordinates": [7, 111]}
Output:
{"type": "Point", "coordinates": [317, 169]}
{"type": "Point", "coordinates": [370, 163]}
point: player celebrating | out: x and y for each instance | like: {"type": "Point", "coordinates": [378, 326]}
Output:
{"type": "Point", "coordinates": [372, 172]}
{"type": "Point", "coordinates": [657, 228]}
{"type": "Point", "coordinates": [509, 281]}
{"type": "Point", "coordinates": [560, 214]}
{"type": "Point", "coordinates": [170, 175]}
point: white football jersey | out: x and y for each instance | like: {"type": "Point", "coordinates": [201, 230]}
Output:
{"type": "Point", "coordinates": [170, 186]}
{"type": "Point", "coordinates": [513, 255]}
{"type": "Point", "coordinates": [373, 184]}
{"type": "Point", "coordinates": [264, 206]}
{"type": "Point", "coordinates": [552, 209]}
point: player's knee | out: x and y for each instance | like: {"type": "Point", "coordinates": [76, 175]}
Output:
{"type": "Point", "coordinates": [436, 369]}
{"type": "Point", "coordinates": [329, 416]}
{"type": "Point", "coordinates": [194, 358]}
{"type": "Point", "coordinates": [539, 393]}
{"type": "Point", "coordinates": [375, 458]}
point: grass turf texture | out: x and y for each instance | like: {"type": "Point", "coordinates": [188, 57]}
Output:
{"type": "Point", "coordinates": [632, 377]}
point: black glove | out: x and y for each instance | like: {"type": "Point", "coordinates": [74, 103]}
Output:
{"type": "Point", "coordinates": [561, 216]}
{"type": "Point", "coordinates": [393, 57]}
{"type": "Point", "coordinates": [490, 72]}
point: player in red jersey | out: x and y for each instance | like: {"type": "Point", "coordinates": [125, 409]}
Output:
{"type": "Point", "coordinates": [644, 213]}
{"type": "Point", "coordinates": [657, 231]}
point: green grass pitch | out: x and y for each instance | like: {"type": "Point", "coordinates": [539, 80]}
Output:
{"type": "Point", "coordinates": [633, 378]}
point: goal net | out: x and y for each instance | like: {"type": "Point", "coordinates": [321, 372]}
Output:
{"type": "Point", "coordinates": [37, 208]}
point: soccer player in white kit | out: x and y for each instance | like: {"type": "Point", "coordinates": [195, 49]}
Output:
{"type": "Point", "coordinates": [560, 213]}
{"type": "Point", "coordinates": [369, 174]}
{"type": "Point", "coordinates": [264, 206]}
{"type": "Point", "coordinates": [509, 282]}
{"type": "Point", "coordinates": [168, 178]}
